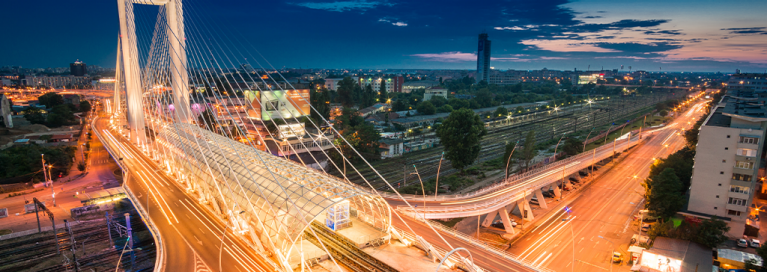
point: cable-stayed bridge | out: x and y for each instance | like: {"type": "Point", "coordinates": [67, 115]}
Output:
{"type": "Point", "coordinates": [227, 160]}
{"type": "Point", "coordinates": [224, 163]}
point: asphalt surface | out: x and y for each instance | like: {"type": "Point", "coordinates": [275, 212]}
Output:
{"type": "Point", "coordinates": [605, 209]}
{"type": "Point", "coordinates": [191, 235]}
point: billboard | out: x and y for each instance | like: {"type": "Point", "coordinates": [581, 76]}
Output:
{"type": "Point", "coordinates": [278, 104]}
{"type": "Point", "coordinates": [660, 262]}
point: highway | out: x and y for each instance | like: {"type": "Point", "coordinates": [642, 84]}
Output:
{"type": "Point", "coordinates": [604, 209]}
{"type": "Point", "coordinates": [191, 235]}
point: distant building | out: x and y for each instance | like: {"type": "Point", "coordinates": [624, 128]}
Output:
{"type": "Point", "coordinates": [391, 147]}
{"type": "Point", "coordinates": [483, 58]}
{"type": "Point", "coordinates": [374, 109]}
{"type": "Point", "coordinates": [748, 81]}
{"type": "Point", "coordinates": [421, 84]}
{"type": "Point", "coordinates": [58, 82]}
{"type": "Point", "coordinates": [332, 83]}
{"type": "Point", "coordinates": [434, 91]}
{"type": "Point", "coordinates": [5, 111]}
{"type": "Point", "coordinates": [78, 68]}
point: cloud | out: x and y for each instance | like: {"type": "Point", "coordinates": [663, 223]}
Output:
{"type": "Point", "coordinates": [640, 48]}
{"type": "Point", "coordinates": [341, 6]}
{"type": "Point", "coordinates": [663, 32]}
{"type": "Point", "coordinates": [448, 56]}
{"type": "Point", "coordinates": [516, 28]}
{"type": "Point", "coordinates": [592, 17]}
{"type": "Point", "coordinates": [747, 30]}
{"type": "Point", "coordinates": [393, 21]}
{"type": "Point", "coordinates": [622, 24]}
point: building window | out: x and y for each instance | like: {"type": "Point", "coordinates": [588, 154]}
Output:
{"type": "Point", "coordinates": [739, 189]}
{"type": "Point", "coordinates": [721, 172]}
{"type": "Point", "coordinates": [724, 160]}
{"type": "Point", "coordinates": [741, 177]}
{"type": "Point", "coordinates": [748, 140]}
{"type": "Point", "coordinates": [746, 152]}
{"type": "Point", "coordinates": [744, 164]}
{"type": "Point", "coordinates": [728, 136]}
{"type": "Point", "coordinates": [731, 212]}
{"type": "Point", "coordinates": [717, 196]}
{"type": "Point", "coordinates": [726, 148]}
{"type": "Point", "coordinates": [737, 201]}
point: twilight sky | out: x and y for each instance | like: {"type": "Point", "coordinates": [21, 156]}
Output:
{"type": "Point", "coordinates": [677, 35]}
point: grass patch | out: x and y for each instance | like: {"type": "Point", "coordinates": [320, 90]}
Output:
{"type": "Point", "coordinates": [5, 232]}
{"type": "Point", "coordinates": [449, 223]}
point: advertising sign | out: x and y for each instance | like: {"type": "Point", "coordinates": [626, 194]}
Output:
{"type": "Point", "coordinates": [660, 263]}
{"type": "Point", "coordinates": [3, 212]}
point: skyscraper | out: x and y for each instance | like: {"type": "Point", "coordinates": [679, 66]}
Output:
{"type": "Point", "coordinates": [483, 58]}
{"type": "Point", "coordinates": [77, 68]}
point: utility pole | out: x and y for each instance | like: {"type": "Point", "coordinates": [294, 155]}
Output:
{"type": "Point", "coordinates": [53, 222]}
{"type": "Point", "coordinates": [130, 240]}
{"type": "Point", "coordinates": [39, 229]}
{"type": "Point", "coordinates": [74, 249]}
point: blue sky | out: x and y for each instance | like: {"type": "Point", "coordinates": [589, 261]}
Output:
{"type": "Point", "coordinates": [679, 35]}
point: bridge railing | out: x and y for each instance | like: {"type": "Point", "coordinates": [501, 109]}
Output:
{"type": "Point", "coordinates": [516, 179]}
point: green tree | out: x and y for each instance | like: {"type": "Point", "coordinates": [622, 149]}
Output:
{"type": "Point", "coordinates": [572, 146]}
{"type": "Point", "coordinates": [320, 100]}
{"type": "Point", "coordinates": [438, 101]}
{"type": "Point", "coordinates": [519, 110]}
{"type": "Point", "coordinates": [34, 115]}
{"type": "Point", "coordinates": [85, 106]}
{"type": "Point", "coordinates": [711, 232]}
{"type": "Point", "coordinates": [273, 126]}
{"type": "Point", "coordinates": [207, 120]}
{"type": "Point", "coordinates": [460, 134]}
{"type": "Point", "coordinates": [500, 111]}
{"type": "Point", "coordinates": [484, 98]}
{"type": "Point", "coordinates": [662, 194]}
{"type": "Point", "coordinates": [426, 108]}
{"type": "Point", "coordinates": [383, 95]}
{"type": "Point", "coordinates": [445, 108]}
{"type": "Point", "coordinates": [529, 151]}
{"type": "Point", "coordinates": [762, 251]}
{"type": "Point", "coordinates": [51, 100]}
{"type": "Point", "coordinates": [681, 162]}
{"type": "Point", "coordinates": [346, 92]}
{"type": "Point", "coordinates": [663, 113]}
{"type": "Point", "coordinates": [60, 115]}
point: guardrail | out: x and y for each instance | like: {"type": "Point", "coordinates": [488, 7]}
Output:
{"type": "Point", "coordinates": [517, 178]}
{"type": "Point", "coordinates": [159, 264]}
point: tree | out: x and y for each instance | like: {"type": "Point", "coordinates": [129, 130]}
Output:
{"type": "Point", "coordinates": [438, 101]}
{"type": "Point", "coordinates": [51, 100]}
{"type": "Point", "coordinates": [369, 97]}
{"type": "Point", "coordinates": [273, 126]}
{"type": "Point", "coordinates": [663, 113]}
{"type": "Point", "coordinates": [711, 232]}
{"type": "Point", "coordinates": [445, 108]}
{"type": "Point", "coordinates": [426, 108]}
{"type": "Point", "coordinates": [681, 162]}
{"type": "Point", "coordinates": [460, 134]}
{"type": "Point", "coordinates": [320, 100]}
{"type": "Point", "coordinates": [484, 98]}
{"type": "Point", "coordinates": [60, 115]}
{"type": "Point", "coordinates": [500, 111]}
{"type": "Point", "coordinates": [662, 194]}
{"type": "Point", "coordinates": [85, 106]}
{"type": "Point", "coordinates": [34, 115]}
{"type": "Point", "coordinates": [207, 120]}
{"type": "Point", "coordinates": [762, 251]}
{"type": "Point", "coordinates": [346, 92]}
{"type": "Point", "coordinates": [383, 95]}
{"type": "Point", "coordinates": [529, 151]}
{"type": "Point", "coordinates": [400, 105]}
{"type": "Point", "coordinates": [572, 146]}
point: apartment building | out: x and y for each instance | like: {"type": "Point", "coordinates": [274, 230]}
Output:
{"type": "Point", "coordinates": [727, 159]}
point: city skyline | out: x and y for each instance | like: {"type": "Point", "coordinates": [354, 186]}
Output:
{"type": "Point", "coordinates": [560, 35]}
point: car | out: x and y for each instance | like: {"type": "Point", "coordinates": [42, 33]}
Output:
{"type": "Point", "coordinates": [754, 243]}
{"type": "Point", "coordinates": [742, 243]}
{"type": "Point", "coordinates": [646, 226]}
{"type": "Point", "coordinates": [617, 257]}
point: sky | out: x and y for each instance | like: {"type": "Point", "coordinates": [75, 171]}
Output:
{"type": "Point", "coordinates": [651, 35]}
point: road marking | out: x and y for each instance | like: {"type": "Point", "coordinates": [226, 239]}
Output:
{"type": "Point", "coordinates": [541, 242]}
{"type": "Point", "coordinates": [544, 260]}
{"type": "Point", "coordinates": [198, 240]}
{"type": "Point", "coordinates": [537, 259]}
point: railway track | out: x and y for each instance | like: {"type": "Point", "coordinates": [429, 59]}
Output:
{"type": "Point", "coordinates": [395, 170]}
{"type": "Point", "coordinates": [345, 252]}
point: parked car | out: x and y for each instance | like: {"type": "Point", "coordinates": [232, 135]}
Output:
{"type": "Point", "coordinates": [755, 243]}
{"type": "Point", "coordinates": [646, 226]}
{"type": "Point", "coordinates": [617, 257]}
{"type": "Point", "coordinates": [639, 239]}
{"type": "Point", "coordinates": [742, 243]}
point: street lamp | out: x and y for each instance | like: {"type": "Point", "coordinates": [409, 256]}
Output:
{"type": "Point", "coordinates": [508, 160]}
{"type": "Point", "coordinates": [612, 251]}
{"type": "Point", "coordinates": [587, 138]}
{"type": "Point", "coordinates": [422, 191]}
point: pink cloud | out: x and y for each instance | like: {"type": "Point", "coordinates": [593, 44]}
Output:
{"type": "Point", "coordinates": [448, 56]}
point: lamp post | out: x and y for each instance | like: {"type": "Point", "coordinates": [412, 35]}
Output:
{"type": "Point", "coordinates": [556, 146]}
{"type": "Point", "coordinates": [436, 187]}
{"type": "Point", "coordinates": [423, 191]}
{"type": "Point", "coordinates": [611, 251]}
{"type": "Point", "coordinates": [587, 138]}
{"type": "Point", "coordinates": [508, 160]}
